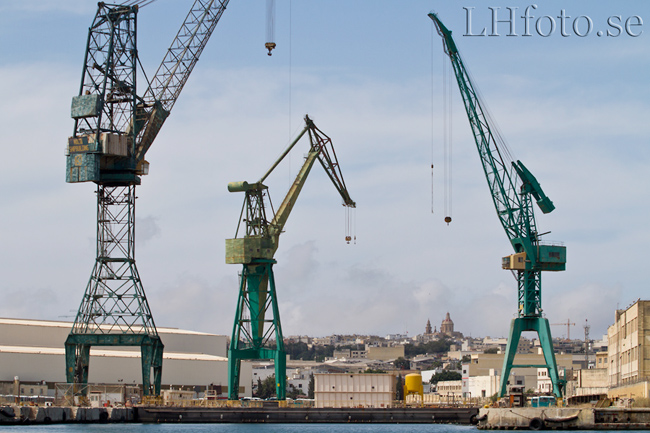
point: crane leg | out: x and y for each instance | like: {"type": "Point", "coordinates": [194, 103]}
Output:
{"type": "Point", "coordinates": [253, 332]}
{"type": "Point", "coordinates": [542, 327]}
{"type": "Point", "coordinates": [509, 357]}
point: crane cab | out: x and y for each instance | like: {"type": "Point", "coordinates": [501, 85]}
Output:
{"type": "Point", "coordinates": [516, 262]}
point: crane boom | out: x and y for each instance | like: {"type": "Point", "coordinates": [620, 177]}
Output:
{"type": "Point", "coordinates": [499, 170]}
{"type": "Point", "coordinates": [319, 150]}
{"type": "Point", "coordinates": [176, 67]}
{"type": "Point", "coordinates": [512, 187]}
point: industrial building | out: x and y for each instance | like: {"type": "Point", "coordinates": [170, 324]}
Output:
{"type": "Point", "coordinates": [627, 353]}
{"type": "Point", "coordinates": [33, 351]}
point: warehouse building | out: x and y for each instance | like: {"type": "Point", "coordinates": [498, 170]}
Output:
{"type": "Point", "coordinates": [33, 351]}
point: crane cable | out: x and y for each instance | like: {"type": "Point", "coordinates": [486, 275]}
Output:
{"type": "Point", "coordinates": [447, 117]}
{"type": "Point", "coordinates": [447, 138]}
{"type": "Point", "coordinates": [432, 117]}
{"type": "Point", "coordinates": [139, 3]}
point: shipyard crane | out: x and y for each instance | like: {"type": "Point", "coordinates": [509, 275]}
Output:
{"type": "Point", "coordinates": [114, 127]}
{"type": "Point", "coordinates": [513, 189]}
{"type": "Point", "coordinates": [253, 330]}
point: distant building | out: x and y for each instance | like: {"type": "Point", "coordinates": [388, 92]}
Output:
{"type": "Point", "coordinates": [349, 354]}
{"type": "Point", "coordinates": [627, 352]}
{"type": "Point", "coordinates": [447, 325]}
{"type": "Point", "coordinates": [385, 353]}
{"type": "Point", "coordinates": [487, 364]}
{"type": "Point", "coordinates": [450, 390]}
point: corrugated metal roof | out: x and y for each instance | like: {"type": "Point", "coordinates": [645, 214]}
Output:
{"type": "Point", "coordinates": [57, 324]}
{"type": "Point", "coordinates": [109, 353]}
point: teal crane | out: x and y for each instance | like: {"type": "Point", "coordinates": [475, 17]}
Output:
{"type": "Point", "coordinates": [513, 189]}
{"type": "Point", "coordinates": [114, 127]}
{"type": "Point", "coordinates": [253, 329]}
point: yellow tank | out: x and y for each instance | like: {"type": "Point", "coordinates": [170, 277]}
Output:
{"type": "Point", "coordinates": [413, 384]}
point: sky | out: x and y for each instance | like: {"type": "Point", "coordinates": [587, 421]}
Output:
{"type": "Point", "coordinates": [573, 108]}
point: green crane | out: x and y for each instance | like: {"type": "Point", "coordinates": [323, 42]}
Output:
{"type": "Point", "coordinates": [513, 189]}
{"type": "Point", "coordinates": [114, 126]}
{"type": "Point", "coordinates": [253, 331]}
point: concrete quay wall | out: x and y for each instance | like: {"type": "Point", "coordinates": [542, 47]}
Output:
{"type": "Point", "coordinates": [52, 414]}
{"type": "Point", "coordinates": [544, 418]}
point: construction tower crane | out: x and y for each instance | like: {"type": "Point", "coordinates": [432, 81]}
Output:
{"type": "Point", "coordinates": [568, 325]}
{"type": "Point", "coordinates": [253, 330]}
{"type": "Point", "coordinates": [513, 188]}
{"type": "Point", "coordinates": [114, 127]}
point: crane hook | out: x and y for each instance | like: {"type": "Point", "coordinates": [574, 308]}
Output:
{"type": "Point", "coordinates": [448, 220]}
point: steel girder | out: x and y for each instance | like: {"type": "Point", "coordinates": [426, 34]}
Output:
{"type": "Point", "coordinates": [253, 330]}
{"type": "Point", "coordinates": [114, 310]}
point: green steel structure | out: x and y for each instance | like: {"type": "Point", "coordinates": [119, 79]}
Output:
{"type": "Point", "coordinates": [254, 331]}
{"type": "Point", "coordinates": [113, 129]}
{"type": "Point", "coordinates": [513, 189]}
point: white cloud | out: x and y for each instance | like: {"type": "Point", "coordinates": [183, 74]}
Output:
{"type": "Point", "coordinates": [232, 121]}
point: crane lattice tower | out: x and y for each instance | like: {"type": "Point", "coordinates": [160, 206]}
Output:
{"type": "Point", "coordinates": [113, 129]}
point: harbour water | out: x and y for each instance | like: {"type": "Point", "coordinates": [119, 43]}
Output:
{"type": "Point", "coordinates": [247, 428]}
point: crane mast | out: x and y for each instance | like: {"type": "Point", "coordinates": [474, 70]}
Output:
{"type": "Point", "coordinates": [253, 330]}
{"type": "Point", "coordinates": [113, 129]}
{"type": "Point", "coordinates": [513, 188]}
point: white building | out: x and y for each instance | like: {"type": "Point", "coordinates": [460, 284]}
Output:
{"type": "Point", "coordinates": [34, 351]}
{"type": "Point", "coordinates": [480, 386]}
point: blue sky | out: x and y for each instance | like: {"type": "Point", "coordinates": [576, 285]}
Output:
{"type": "Point", "coordinates": [574, 109]}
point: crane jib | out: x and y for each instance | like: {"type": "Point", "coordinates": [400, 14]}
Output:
{"type": "Point", "coordinates": [515, 211]}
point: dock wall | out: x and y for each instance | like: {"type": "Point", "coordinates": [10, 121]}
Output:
{"type": "Point", "coordinates": [544, 418]}
{"type": "Point", "coordinates": [170, 414]}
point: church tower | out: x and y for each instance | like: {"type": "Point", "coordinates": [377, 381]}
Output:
{"type": "Point", "coordinates": [447, 326]}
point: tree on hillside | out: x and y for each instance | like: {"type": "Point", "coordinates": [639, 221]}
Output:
{"type": "Point", "coordinates": [399, 392]}
{"type": "Point", "coordinates": [445, 375]}
{"type": "Point", "coordinates": [402, 364]}
{"type": "Point", "coordinates": [311, 387]}
{"type": "Point", "coordinates": [435, 346]}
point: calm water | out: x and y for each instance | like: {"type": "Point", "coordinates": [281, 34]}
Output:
{"type": "Point", "coordinates": [241, 428]}
{"type": "Point", "coordinates": [246, 428]}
